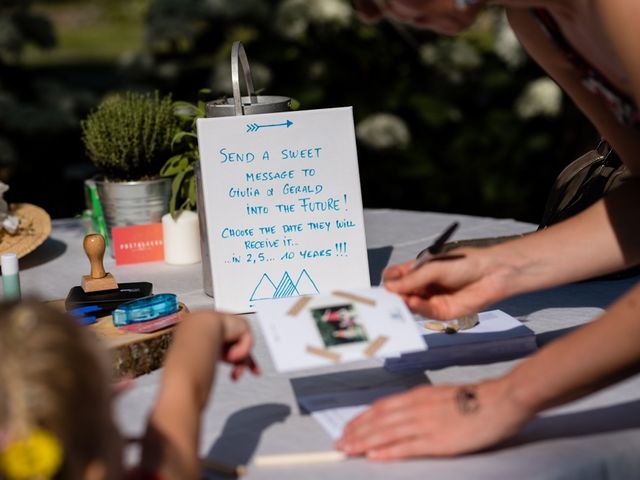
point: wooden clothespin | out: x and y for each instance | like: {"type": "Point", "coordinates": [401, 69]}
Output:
{"type": "Point", "coordinates": [99, 279]}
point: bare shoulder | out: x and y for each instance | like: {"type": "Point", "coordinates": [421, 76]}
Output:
{"type": "Point", "coordinates": [623, 12]}
{"type": "Point", "coordinates": [534, 39]}
{"type": "Point", "coordinates": [537, 43]}
{"type": "Point", "coordinates": [621, 19]}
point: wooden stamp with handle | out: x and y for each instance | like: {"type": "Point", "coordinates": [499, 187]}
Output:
{"type": "Point", "coordinates": [99, 279]}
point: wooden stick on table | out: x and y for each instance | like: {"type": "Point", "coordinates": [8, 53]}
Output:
{"type": "Point", "coordinates": [298, 458]}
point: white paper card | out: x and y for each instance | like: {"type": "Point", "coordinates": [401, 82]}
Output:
{"type": "Point", "coordinates": [498, 336]}
{"type": "Point", "coordinates": [341, 326]}
{"type": "Point", "coordinates": [333, 411]}
{"type": "Point", "coordinates": [283, 205]}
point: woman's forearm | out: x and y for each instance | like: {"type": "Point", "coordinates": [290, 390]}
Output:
{"type": "Point", "coordinates": [602, 239]}
{"type": "Point", "coordinates": [590, 358]}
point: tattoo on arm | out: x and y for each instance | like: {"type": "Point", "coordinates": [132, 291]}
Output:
{"type": "Point", "coordinates": [467, 400]}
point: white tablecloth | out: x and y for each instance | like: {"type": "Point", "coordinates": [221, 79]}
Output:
{"type": "Point", "coordinates": [594, 438]}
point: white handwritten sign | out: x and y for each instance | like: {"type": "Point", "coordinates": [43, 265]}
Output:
{"type": "Point", "coordinates": [283, 205]}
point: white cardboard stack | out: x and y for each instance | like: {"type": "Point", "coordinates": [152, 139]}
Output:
{"type": "Point", "coordinates": [497, 337]}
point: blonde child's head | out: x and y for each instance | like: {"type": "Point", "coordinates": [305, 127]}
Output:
{"type": "Point", "coordinates": [54, 384]}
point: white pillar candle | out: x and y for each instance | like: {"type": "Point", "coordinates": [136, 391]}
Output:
{"type": "Point", "coordinates": [181, 238]}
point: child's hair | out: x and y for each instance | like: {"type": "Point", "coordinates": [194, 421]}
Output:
{"type": "Point", "coordinates": [54, 379]}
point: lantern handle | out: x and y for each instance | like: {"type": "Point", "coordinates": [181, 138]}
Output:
{"type": "Point", "coordinates": [239, 57]}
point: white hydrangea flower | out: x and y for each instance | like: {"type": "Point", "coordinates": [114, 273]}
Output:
{"type": "Point", "coordinates": [464, 56]}
{"type": "Point", "coordinates": [454, 76]}
{"type": "Point", "coordinates": [232, 8]}
{"type": "Point", "coordinates": [540, 97]}
{"type": "Point", "coordinates": [429, 54]}
{"type": "Point", "coordinates": [330, 11]}
{"type": "Point", "coordinates": [507, 46]}
{"type": "Point", "coordinates": [317, 70]}
{"type": "Point", "coordinates": [452, 57]}
{"type": "Point", "coordinates": [293, 17]}
{"type": "Point", "coordinates": [383, 130]}
{"type": "Point", "coordinates": [168, 70]}
{"type": "Point", "coordinates": [143, 61]}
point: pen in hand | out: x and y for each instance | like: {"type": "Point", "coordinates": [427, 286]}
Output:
{"type": "Point", "coordinates": [435, 248]}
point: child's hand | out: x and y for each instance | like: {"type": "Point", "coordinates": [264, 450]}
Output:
{"type": "Point", "coordinates": [237, 345]}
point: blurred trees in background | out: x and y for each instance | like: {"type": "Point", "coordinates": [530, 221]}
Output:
{"type": "Point", "coordinates": [39, 114]}
{"type": "Point", "coordinates": [465, 125]}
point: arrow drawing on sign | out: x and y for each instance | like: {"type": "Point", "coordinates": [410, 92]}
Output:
{"type": "Point", "coordinates": [254, 127]}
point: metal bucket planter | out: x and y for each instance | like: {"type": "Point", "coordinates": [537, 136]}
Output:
{"type": "Point", "coordinates": [133, 203]}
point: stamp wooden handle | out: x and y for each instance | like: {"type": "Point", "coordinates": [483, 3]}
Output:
{"type": "Point", "coordinates": [94, 247]}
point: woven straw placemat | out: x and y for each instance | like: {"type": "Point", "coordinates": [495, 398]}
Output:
{"type": "Point", "coordinates": [34, 228]}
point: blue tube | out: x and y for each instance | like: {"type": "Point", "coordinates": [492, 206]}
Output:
{"type": "Point", "coordinates": [145, 309]}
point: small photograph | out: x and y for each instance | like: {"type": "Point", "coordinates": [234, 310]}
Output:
{"type": "Point", "coordinates": [339, 325]}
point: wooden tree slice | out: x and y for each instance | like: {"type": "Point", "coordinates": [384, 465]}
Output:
{"type": "Point", "coordinates": [133, 353]}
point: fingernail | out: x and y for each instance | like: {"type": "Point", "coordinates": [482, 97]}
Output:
{"type": "Point", "coordinates": [390, 284]}
{"type": "Point", "coordinates": [392, 275]}
{"type": "Point", "coordinates": [373, 454]}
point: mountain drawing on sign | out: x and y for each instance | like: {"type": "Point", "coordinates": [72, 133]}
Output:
{"type": "Point", "coordinates": [286, 287]}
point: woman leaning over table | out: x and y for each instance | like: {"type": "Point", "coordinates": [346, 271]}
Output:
{"type": "Point", "coordinates": [589, 47]}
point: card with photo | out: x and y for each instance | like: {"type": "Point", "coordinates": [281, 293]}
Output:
{"type": "Point", "coordinates": [340, 327]}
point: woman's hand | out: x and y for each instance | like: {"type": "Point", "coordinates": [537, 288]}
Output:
{"type": "Point", "coordinates": [435, 421]}
{"type": "Point", "coordinates": [458, 283]}
{"type": "Point", "coordinates": [237, 344]}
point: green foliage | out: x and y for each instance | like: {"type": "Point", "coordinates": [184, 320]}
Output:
{"type": "Point", "coordinates": [181, 166]}
{"type": "Point", "coordinates": [453, 138]}
{"type": "Point", "coordinates": [40, 114]}
{"type": "Point", "coordinates": [19, 26]}
{"type": "Point", "coordinates": [129, 135]}
{"type": "Point", "coordinates": [458, 142]}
